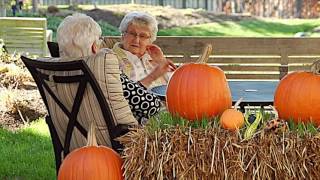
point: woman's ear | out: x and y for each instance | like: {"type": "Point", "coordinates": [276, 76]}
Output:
{"type": "Point", "coordinates": [94, 48]}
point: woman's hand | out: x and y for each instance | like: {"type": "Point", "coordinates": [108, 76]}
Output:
{"type": "Point", "coordinates": [164, 67]}
{"type": "Point", "coordinates": [158, 58]}
{"type": "Point", "coordinates": [156, 53]}
{"type": "Point", "coordinates": [160, 70]}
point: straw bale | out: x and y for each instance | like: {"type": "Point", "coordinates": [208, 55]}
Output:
{"type": "Point", "coordinates": [214, 153]}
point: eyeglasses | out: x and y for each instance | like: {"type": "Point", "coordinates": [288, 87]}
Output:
{"type": "Point", "coordinates": [141, 36]}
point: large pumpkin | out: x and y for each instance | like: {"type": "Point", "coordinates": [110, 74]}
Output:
{"type": "Point", "coordinates": [91, 162]}
{"type": "Point", "coordinates": [197, 90]}
{"type": "Point", "coordinates": [297, 96]}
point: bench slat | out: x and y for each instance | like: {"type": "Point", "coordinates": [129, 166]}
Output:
{"type": "Point", "coordinates": [24, 46]}
{"type": "Point", "coordinates": [250, 76]}
{"type": "Point", "coordinates": [241, 46]}
{"type": "Point", "coordinates": [35, 40]}
{"type": "Point", "coordinates": [23, 22]}
{"type": "Point", "coordinates": [303, 59]}
{"type": "Point", "coordinates": [249, 68]}
{"type": "Point", "coordinates": [21, 32]}
{"type": "Point", "coordinates": [299, 68]}
{"type": "Point", "coordinates": [231, 60]}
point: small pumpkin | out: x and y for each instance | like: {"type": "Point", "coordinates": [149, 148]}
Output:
{"type": "Point", "coordinates": [232, 119]}
{"type": "Point", "coordinates": [197, 90]}
{"type": "Point", "coordinates": [91, 162]}
{"type": "Point", "coordinates": [297, 96]}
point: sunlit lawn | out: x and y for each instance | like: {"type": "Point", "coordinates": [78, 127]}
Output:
{"type": "Point", "coordinates": [244, 28]}
{"type": "Point", "coordinates": [247, 28]}
{"type": "Point", "coordinates": [27, 153]}
{"type": "Point", "coordinates": [254, 27]}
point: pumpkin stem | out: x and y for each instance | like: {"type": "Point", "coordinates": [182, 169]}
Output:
{"type": "Point", "coordinates": [315, 67]}
{"type": "Point", "coordinates": [92, 140]}
{"type": "Point", "coordinates": [275, 111]}
{"type": "Point", "coordinates": [205, 54]}
{"type": "Point", "coordinates": [237, 103]}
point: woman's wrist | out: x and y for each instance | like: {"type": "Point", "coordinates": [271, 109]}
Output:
{"type": "Point", "coordinates": [147, 81]}
{"type": "Point", "coordinates": [152, 76]}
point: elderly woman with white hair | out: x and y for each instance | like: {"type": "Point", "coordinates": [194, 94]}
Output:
{"type": "Point", "coordinates": [78, 37]}
{"type": "Point", "coordinates": [138, 56]}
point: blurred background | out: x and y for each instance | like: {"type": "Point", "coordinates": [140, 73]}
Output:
{"type": "Point", "coordinates": [197, 17]}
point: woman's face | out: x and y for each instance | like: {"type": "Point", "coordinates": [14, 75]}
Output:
{"type": "Point", "coordinates": [136, 39]}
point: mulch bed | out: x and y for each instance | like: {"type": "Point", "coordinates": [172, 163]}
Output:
{"type": "Point", "coordinates": [33, 108]}
{"type": "Point", "coordinates": [167, 17]}
{"type": "Point", "coordinates": [25, 103]}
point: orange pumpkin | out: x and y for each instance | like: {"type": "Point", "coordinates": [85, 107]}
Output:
{"type": "Point", "coordinates": [91, 162]}
{"type": "Point", "coordinates": [297, 96]}
{"type": "Point", "coordinates": [197, 90]}
{"type": "Point", "coordinates": [232, 119]}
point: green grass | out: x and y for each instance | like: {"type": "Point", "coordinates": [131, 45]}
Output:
{"type": "Point", "coordinates": [165, 120]}
{"type": "Point", "coordinates": [261, 27]}
{"type": "Point", "coordinates": [53, 23]}
{"type": "Point", "coordinates": [302, 128]}
{"type": "Point", "coordinates": [248, 28]}
{"type": "Point", "coordinates": [245, 28]}
{"type": "Point", "coordinates": [107, 29]}
{"type": "Point", "coordinates": [27, 153]}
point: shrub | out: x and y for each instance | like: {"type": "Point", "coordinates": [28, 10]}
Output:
{"type": "Point", "coordinates": [52, 9]}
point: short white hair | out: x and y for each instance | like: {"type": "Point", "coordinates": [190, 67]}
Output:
{"type": "Point", "coordinates": [76, 34]}
{"type": "Point", "coordinates": [140, 18]}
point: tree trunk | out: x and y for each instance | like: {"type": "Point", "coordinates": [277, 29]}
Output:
{"type": "Point", "coordinates": [34, 6]}
{"type": "Point", "coordinates": [184, 4]}
{"type": "Point", "coordinates": [206, 5]}
{"type": "Point", "coordinates": [2, 8]}
{"type": "Point", "coordinates": [161, 2]}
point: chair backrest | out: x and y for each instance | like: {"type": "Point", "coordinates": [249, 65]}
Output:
{"type": "Point", "coordinates": [53, 49]}
{"type": "Point", "coordinates": [85, 78]}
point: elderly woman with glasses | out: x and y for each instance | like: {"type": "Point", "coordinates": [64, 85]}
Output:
{"type": "Point", "coordinates": [137, 55]}
{"type": "Point", "coordinates": [78, 37]}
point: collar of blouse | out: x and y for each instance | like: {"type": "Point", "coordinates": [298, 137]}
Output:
{"type": "Point", "coordinates": [121, 53]}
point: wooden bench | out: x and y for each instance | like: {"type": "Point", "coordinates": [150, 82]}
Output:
{"type": "Point", "coordinates": [27, 36]}
{"type": "Point", "coordinates": [243, 57]}
{"type": "Point", "coordinates": [255, 62]}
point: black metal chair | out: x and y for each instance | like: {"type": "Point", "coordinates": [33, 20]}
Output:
{"type": "Point", "coordinates": [38, 69]}
{"type": "Point", "coordinates": [53, 49]}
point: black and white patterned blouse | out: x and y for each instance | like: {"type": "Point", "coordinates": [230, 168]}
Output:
{"type": "Point", "coordinates": [143, 103]}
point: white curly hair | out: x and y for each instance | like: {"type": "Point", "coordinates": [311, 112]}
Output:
{"type": "Point", "coordinates": [76, 35]}
{"type": "Point", "coordinates": [140, 18]}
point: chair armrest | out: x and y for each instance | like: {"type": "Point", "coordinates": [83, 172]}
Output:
{"type": "Point", "coordinates": [120, 130]}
